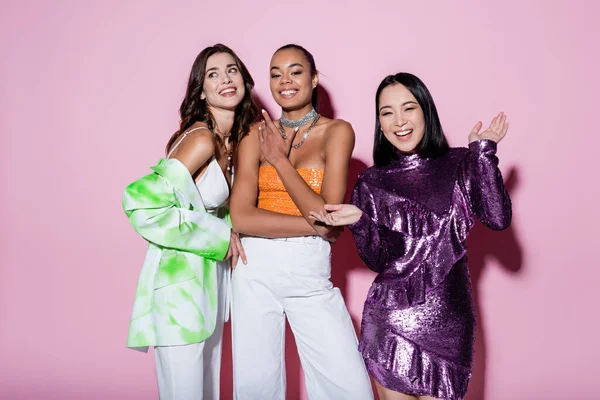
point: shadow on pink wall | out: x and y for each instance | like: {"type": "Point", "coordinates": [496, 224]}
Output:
{"type": "Point", "coordinates": [505, 247]}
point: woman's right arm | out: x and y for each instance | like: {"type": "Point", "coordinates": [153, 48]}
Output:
{"type": "Point", "coordinates": [246, 217]}
{"type": "Point", "coordinates": [153, 210]}
{"type": "Point", "coordinates": [372, 239]}
{"type": "Point", "coordinates": [369, 234]}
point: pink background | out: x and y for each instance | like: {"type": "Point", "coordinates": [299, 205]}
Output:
{"type": "Point", "coordinates": [89, 96]}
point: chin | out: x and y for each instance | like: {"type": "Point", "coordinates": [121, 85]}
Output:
{"type": "Point", "coordinates": [291, 104]}
{"type": "Point", "coordinates": [288, 106]}
{"type": "Point", "coordinates": [232, 105]}
{"type": "Point", "coordinates": [408, 149]}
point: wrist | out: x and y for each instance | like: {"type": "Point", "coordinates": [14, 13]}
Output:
{"type": "Point", "coordinates": [279, 161]}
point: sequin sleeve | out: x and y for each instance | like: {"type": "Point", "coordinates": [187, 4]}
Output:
{"type": "Point", "coordinates": [481, 183]}
{"type": "Point", "coordinates": [369, 235]}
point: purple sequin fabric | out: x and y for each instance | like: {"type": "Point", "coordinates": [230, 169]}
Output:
{"type": "Point", "coordinates": [418, 322]}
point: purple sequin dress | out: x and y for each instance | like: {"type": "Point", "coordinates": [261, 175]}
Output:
{"type": "Point", "coordinates": [418, 322]}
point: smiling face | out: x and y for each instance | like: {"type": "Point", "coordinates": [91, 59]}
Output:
{"type": "Point", "coordinates": [292, 81]}
{"type": "Point", "coordinates": [223, 83]}
{"type": "Point", "coordinates": [401, 118]}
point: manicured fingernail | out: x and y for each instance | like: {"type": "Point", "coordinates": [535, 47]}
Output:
{"type": "Point", "coordinates": [296, 129]}
{"type": "Point", "coordinates": [263, 111]}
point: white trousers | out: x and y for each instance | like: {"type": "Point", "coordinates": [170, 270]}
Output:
{"type": "Point", "coordinates": [290, 278]}
{"type": "Point", "coordinates": [193, 371]}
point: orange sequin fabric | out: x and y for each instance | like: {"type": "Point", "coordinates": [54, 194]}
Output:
{"type": "Point", "coordinates": [272, 195]}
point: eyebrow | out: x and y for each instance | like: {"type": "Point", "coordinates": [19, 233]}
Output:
{"type": "Point", "coordinates": [290, 66]}
{"type": "Point", "coordinates": [216, 68]}
{"type": "Point", "coordinates": [403, 104]}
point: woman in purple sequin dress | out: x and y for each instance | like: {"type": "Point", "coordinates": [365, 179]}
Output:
{"type": "Point", "coordinates": [410, 216]}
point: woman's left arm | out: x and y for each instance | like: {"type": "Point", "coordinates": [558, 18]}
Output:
{"type": "Point", "coordinates": [480, 178]}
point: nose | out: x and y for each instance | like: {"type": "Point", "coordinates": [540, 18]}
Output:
{"type": "Point", "coordinates": [226, 79]}
{"type": "Point", "coordinates": [400, 120]}
{"type": "Point", "coordinates": [285, 79]}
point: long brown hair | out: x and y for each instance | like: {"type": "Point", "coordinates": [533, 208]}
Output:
{"type": "Point", "coordinates": [193, 109]}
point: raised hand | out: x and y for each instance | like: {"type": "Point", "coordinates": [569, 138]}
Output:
{"type": "Point", "coordinates": [274, 145]}
{"type": "Point", "coordinates": [338, 214]}
{"type": "Point", "coordinates": [496, 131]}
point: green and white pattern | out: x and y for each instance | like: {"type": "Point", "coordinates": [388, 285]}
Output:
{"type": "Point", "coordinates": [176, 298]}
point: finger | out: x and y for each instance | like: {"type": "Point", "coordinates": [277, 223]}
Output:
{"type": "Point", "coordinates": [268, 121]}
{"type": "Point", "coordinates": [324, 218]}
{"type": "Point", "coordinates": [333, 207]}
{"type": "Point", "coordinates": [319, 218]}
{"type": "Point", "coordinates": [501, 124]}
{"type": "Point", "coordinates": [504, 130]}
{"type": "Point", "coordinates": [493, 123]}
{"type": "Point", "coordinates": [332, 217]}
{"type": "Point", "coordinates": [328, 219]}
{"type": "Point", "coordinates": [264, 135]}
{"type": "Point", "coordinates": [314, 215]}
{"type": "Point", "coordinates": [242, 252]}
{"type": "Point", "coordinates": [332, 221]}
{"type": "Point", "coordinates": [234, 260]}
{"type": "Point", "coordinates": [293, 135]}
{"type": "Point", "coordinates": [261, 133]}
{"type": "Point", "coordinates": [475, 129]}
{"type": "Point", "coordinates": [498, 122]}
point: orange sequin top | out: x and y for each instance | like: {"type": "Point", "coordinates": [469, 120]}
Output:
{"type": "Point", "coordinates": [272, 195]}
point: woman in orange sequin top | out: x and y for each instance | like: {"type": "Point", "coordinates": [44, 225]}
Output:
{"type": "Point", "coordinates": [286, 169]}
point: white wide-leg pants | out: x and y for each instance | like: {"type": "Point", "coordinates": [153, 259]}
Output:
{"type": "Point", "coordinates": [291, 278]}
{"type": "Point", "coordinates": [192, 372]}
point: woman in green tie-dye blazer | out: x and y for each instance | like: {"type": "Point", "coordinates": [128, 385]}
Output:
{"type": "Point", "coordinates": [180, 209]}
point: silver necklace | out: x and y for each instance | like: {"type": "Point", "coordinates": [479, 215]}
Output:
{"type": "Point", "coordinates": [312, 114]}
{"type": "Point", "coordinates": [304, 137]}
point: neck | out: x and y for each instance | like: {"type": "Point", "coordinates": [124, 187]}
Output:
{"type": "Point", "coordinates": [297, 114]}
{"type": "Point", "coordinates": [223, 118]}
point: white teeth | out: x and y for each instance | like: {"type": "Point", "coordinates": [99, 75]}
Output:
{"type": "Point", "coordinates": [403, 133]}
{"type": "Point", "coordinates": [231, 90]}
{"type": "Point", "coordinates": [287, 92]}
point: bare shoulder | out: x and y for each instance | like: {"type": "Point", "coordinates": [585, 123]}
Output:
{"type": "Point", "coordinates": [252, 136]}
{"type": "Point", "coordinates": [196, 148]}
{"type": "Point", "coordinates": [339, 129]}
{"type": "Point", "coordinates": [254, 130]}
{"type": "Point", "coordinates": [248, 152]}
{"type": "Point", "coordinates": [200, 137]}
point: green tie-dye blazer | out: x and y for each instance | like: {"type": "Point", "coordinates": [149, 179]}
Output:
{"type": "Point", "coordinates": [176, 298]}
